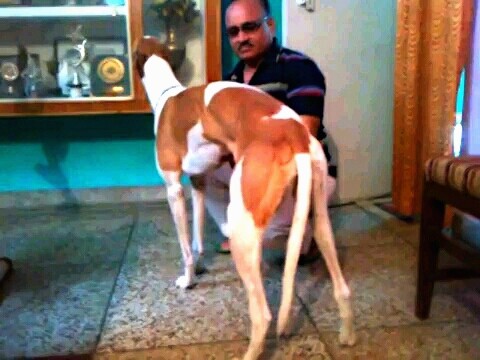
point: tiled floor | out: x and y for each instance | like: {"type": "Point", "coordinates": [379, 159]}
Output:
{"type": "Point", "coordinates": [99, 280]}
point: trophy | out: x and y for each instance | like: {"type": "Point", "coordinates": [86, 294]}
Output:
{"type": "Point", "coordinates": [75, 58]}
{"type": "Point", "coordinates": [11, 83]}
{"type": "Point", "coordinates": [111, 75]}
{"type": "Point", "coordinates": [172, 13]}
{"type": "Point", "coordinates": [73, 74]}
{"type": "Point", "coordinates": [10, 73]}
{"type": "Point", "coordinates": [32, 76]}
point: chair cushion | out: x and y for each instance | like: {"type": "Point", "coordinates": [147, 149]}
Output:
{"type": "Point", "coordinates": [460, 173]}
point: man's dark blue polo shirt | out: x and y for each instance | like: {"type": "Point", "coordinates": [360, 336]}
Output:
{"type": "Point", "coordinates": [291, 77]}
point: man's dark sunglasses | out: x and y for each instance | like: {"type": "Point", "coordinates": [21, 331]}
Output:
{"type": "Point", "coordinates": [247, 27]}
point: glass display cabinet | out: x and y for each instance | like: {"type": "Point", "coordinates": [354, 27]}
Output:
{"type": "Point", "coordinates": [75, 56]}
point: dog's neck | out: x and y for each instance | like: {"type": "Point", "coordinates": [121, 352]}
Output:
{"type": "Point", "coordinates": [160, 84]}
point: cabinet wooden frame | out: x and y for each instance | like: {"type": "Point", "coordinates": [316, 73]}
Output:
{"type": "Point", "coordinates": [139, 104]}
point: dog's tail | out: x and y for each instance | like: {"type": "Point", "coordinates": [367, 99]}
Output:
{"type": "Point", "coordinates": [303, 163]}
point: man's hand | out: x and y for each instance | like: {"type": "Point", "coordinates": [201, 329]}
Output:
{"type": "Point", "coordinates": [311, 122]}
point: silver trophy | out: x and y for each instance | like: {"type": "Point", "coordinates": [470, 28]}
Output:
{"type": "Point", "coordinates": [75, 58]}
{"type": "Point", "coordinates": [32, 75]}
{"type": "Point", "coordinates": [73, 75]}
{"type": "Point", "coordinates": [10, 73]}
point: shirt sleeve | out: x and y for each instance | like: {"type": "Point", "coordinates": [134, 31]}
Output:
{"type": "Point", "coordinates": [306, 88]}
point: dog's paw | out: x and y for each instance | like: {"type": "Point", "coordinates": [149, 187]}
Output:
{"type": "Point", "coordinates": [184, 282]}
{"type": "Point", "coordinates": [284, 331]}
{"type": "Point", "coordinates": [347, 337]}
{"type": "Point", "coordinates": [200, 267]}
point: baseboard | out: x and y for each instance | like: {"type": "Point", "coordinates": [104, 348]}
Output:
{"type": "Point", "coordinates": [82, 197]}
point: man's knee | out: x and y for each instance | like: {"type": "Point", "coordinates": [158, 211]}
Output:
{"type": "Point", "coordinates": [219, 177]}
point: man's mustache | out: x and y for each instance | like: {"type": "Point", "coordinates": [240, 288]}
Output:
{"type": "Point", "coordinates": [245, 44]}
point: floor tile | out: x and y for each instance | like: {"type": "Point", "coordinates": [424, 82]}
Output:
{"type": "Point", "coordinates": [383, 281]}
{"type": "Point", "coordinates": [409, 233]}
{"type": "Point", "coordinates": [65, 266]}
{"type": "Point", "coordinates": [403, 230]}
{"type": "Point", "coordinates": [76, 237]}
{"type": "Point", "coordinates": [54, 310]}
{"type": "Point", "coordinates": [156, 232]}
{"type": "Point", "coordinates": [420, 342]}
{"type": "Point", "coordinates": [298, 347]}
{"type": "Point", "coordinates": [148, 311]}
{"type": "Point", "coordinates": [354, 226]}
{"type": "Point", "coordinates": [65, 297]}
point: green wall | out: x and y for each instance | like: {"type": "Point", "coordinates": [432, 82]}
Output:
{"type": "Point", "coordinates": [77, 152]}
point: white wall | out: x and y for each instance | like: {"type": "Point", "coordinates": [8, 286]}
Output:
{"type": "Point", "coordinates": [353, 43]}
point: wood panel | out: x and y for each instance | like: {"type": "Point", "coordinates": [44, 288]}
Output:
{"type": "Point", "coordinates": [139, 104]}
{"type": "Point", "coordinates": [213, 40]}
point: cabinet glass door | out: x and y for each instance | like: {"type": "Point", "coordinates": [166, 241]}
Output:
{"type": "Point", "coordinates": [72, 50]}
{"type": "Point", "coordinates": [181, 25]}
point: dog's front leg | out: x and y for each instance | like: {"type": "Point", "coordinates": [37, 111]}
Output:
{"type": "Point", "coordinates": [176, 201]}
{"type": "Point", "coordinates": [198, 204]}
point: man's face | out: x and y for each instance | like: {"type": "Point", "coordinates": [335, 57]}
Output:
{"type": "Point", "coordinates": [249, 30]}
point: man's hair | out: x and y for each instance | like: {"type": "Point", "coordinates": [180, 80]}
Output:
{"type": "Point", "coordinates": [264, 3]}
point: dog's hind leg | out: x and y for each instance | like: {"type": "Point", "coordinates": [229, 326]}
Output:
{"type": "Point", "coordinates": [246, 248]}
{"type": "Point", "coordinates": [324, 238]}
{"type": "Point", "coordinates": [295, 238]}
{"type": "Point", "coordinates": [198, 204]}
{"type": "Point", "coordinates": [176, 201]}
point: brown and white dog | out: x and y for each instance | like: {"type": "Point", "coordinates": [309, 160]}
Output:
{"type": "Point", "coordinates": [195, 127]}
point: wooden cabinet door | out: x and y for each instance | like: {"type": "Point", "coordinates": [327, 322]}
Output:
{"type": "Point", "coordinates": [206, 42]}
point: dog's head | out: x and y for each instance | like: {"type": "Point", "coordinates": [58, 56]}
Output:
{"type": "Point", "coordinates": [146, 47]}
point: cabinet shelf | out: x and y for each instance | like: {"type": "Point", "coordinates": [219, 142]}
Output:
{"type": "Point", "coordinates": [107, 70]}
{"type": "Point", "coordinates": [61, 11]}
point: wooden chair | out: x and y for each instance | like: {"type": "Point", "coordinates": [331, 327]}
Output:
{"type": "Point", "coordinates": [454, 182]}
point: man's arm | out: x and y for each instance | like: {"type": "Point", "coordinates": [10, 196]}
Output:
{"type": "Point", "coordinates": [306, 93]}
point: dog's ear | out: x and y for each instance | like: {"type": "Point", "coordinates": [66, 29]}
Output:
{"type": "Point", "coordinates": [146, 47]}
{"type": "Point", "coordinates": [140, 56]}
{"type": "Point", "coordinates": [139, 61]}
{"type": "Point", "coordinates": [162, 51]}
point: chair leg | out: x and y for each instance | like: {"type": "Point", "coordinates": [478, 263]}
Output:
{"type": "Point", "coordinates": [431, 224]}
{"type": "Point", "coordinates": [6, 267]}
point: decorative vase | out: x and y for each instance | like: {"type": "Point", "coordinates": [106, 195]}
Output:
{"type": "Point", "coordinates": [176, 48]}
{"type": "Point", "coordinates": [173, 13]}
